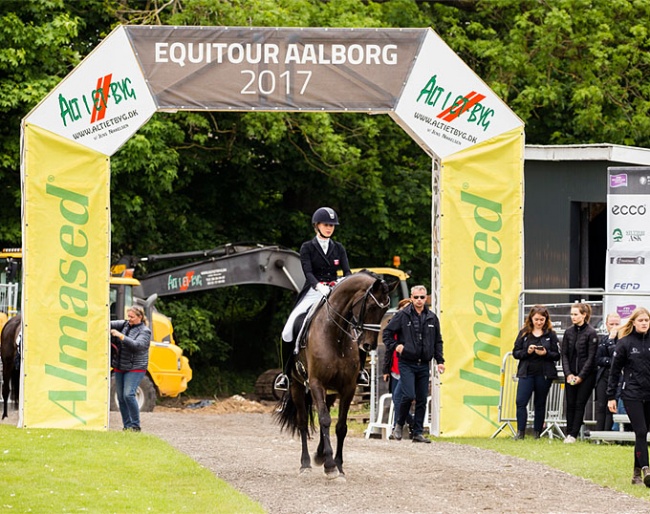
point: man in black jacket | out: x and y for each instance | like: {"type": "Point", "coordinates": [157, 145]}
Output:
{"type": "Point", "coordinates": [414, 333]}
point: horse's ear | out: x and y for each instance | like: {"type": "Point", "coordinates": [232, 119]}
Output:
{"type": "Point", "coordinates": [392, 286]}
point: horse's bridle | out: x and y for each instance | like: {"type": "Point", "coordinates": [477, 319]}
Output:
{"type": "Point", "coordinates": [357, 323]}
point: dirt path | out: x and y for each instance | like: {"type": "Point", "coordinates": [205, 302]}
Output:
{"type": "Point", "coordinates": [248, 451]}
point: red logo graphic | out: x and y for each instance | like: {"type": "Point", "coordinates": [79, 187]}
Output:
{"type": "Point", "coordinates": [100, 98]}
{"type": "Point", "coordinates": [461, 106]}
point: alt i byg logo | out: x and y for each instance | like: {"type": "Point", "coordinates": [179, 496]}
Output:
{"type": "Point", "coordinates": [617, 235]}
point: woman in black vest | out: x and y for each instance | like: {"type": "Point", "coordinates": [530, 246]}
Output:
{"type": "Point", "coordinates": [579, 346]}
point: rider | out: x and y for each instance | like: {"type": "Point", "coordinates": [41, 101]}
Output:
{"type": "Point", "coordinates": [321, 258]}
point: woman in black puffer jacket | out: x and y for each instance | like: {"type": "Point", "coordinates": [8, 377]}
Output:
{"type": "Point", "coordinates": [632, 356]}
{"type": "Point", "coordinates": [131, 338]}
{"type": "Point", "coordinates": [578, 349]}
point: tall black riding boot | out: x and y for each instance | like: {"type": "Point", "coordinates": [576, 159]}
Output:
{"type": "Point", "coordinates": [520, 435]}
{"type": "Point", "coordinates": [363, 379]}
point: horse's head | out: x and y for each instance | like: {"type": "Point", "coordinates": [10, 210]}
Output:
{"type": "Point", "coordinates": [367, 302]}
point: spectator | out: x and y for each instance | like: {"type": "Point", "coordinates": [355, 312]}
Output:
{"type": "Point", "coordinates": [578, 352]}
{"type": "Point", "coordinates": [132, 338]}
{"type": "Point", "coordinates": [633, 359]}
{"type": "Point", "coordinates": [604, 420]}
{"type": "Point", "coordinates": [537, 350]}
{"type": "Point", "coordinates": [414, 332]}
{"type": "Point", "coordinates": [390, 372]}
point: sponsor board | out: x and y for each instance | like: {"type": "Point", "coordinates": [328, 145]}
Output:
{"type": "Point", "coordinates": [103, 102]}
{"type": "Point", "coordinates": [446, 106]}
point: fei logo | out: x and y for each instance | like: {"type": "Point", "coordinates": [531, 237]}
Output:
{"type": "Point", "coordinates": [617, 235]}
{"type": "Point", "coordinates": [618, 180]}
{"type": "Point", "coordinates": [97, 102]}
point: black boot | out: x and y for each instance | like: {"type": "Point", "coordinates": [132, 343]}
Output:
{"type": "Point", "coordinates": [282, 381]}
{"type": "Point", "coordinates": [645, 473]}
{"type": "Point", "coordinates": [520, 435]}
{"type": "Point", "coordinates": [536, 435]}
{"type": "Point", "coordinates": [636, 477]}
{"type": "Point", "coordinates": [363, 379]}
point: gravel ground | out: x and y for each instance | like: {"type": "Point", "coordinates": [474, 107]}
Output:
{"type": "Point", "coordinates": [239, 442]}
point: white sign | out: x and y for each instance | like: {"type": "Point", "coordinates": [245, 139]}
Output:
{"type": "Point", "coordinates": [447, 106]}
{"type": "Point", "coordinates": [103, 102]}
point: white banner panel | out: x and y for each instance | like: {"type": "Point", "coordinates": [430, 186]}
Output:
{"type": "Point", "coordinates": [103, 102]}
{"type": "Point", "coordinates": [628, 247]}
{"type": "Point", "coordinates": [446, 106]}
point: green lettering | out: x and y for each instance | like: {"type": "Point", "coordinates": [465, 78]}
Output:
{"type": "Point", "coordinates": [77, 214]}
{"type": "Point", "coordinates": [487, 207]}
{"type": "Point", "coordinates": [68, 396]}
{"type": "Point", "coordinates": [491, 304]}
{"type": "Point", "coordinates": [482, 250]}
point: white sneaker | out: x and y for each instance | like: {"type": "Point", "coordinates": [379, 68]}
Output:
{"type": "Point", "coordinates": [569, 439]}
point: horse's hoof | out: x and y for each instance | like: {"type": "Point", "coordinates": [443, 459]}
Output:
{"type": "Point", "coordinates": [331, 475]}
{"type": "Point", "coordinates": [340, 479]}
{"type": "Point", "coordinates": [305, 470]}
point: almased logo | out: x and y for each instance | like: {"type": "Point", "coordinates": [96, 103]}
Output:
{"type": "Point", "coordinates": [71, 368]}
{"type": "Point", "coordinates": [487, 304]}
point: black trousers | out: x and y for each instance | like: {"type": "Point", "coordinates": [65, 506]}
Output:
{"type": "Point", "coordinates": [577, 397]}
{"type": "Point", "coordinates": [639, 413]}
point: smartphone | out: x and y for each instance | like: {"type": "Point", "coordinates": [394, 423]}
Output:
{"type": "Point", "coordinates": [539, 347]}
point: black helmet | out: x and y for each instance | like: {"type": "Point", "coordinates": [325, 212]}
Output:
{"type": "Point", "coordinates": [325, 215]}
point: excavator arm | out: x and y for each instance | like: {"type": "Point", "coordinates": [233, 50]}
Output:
{"type": "Point", "coordinates": [230, 265]}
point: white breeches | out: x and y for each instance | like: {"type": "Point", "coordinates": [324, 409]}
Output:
{"type": "Point", "coordinates": [311, 297]}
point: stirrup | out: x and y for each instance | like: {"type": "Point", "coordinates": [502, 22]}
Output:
{"type": "Point", "coordinates": [281, 383]}
{"type": "Point", "coordinates": [363, 379]}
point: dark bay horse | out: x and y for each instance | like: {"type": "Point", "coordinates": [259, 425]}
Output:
{"type": "Point", "coordinates": [328, 365]}
{"type": "Point", "coordinates": [10, 368]}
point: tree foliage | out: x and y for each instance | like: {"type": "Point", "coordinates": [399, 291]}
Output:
{"type": "Point", "coordinates": [573, 70]}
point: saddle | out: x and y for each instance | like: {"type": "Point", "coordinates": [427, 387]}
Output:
{"type": "Point", "coordinates": [302, 325]}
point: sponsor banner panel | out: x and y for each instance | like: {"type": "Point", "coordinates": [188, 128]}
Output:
{"type": "Point", "coordinates": [628, 221]}
{"type": "Point", "coordinates": [627, 269]}
{"type": "Point", "coordinates": [65, 294]}
{"type": "Point", "coordinates": [446, 106]}
{"type": "Point", "coordinates": [480, 278]}
{"type": "Point", "coordinates": [103, 102]}
{"type": "Point", "coordinates": [244, 68]}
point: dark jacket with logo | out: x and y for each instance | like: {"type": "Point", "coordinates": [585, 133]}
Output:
{"type": "Point", "coordinates": [527, 361]}
{"type": "Point", "coordinates": [604, 356]}
{"type": "Point", "coordinates": [134, 349]}
{"type": "Point", "coordinates": [401, 330]}
{"type": "Point", "coordinates": [319, 267]}
{"type": "Point", "coordinates": [578, 349]}
{"type": "Point", "coordinates": [632, 356]}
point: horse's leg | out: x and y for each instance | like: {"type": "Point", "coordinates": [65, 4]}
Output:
{"type": "Point", "coordinates": [342, 428]}
{"type": "Point", "coordinates": [324, 453]}
{"type": "Point", "coordinates": [6, 379]}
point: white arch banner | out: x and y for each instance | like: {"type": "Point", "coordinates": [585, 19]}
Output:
{"type": "Point", "coordinates": [410, 74]}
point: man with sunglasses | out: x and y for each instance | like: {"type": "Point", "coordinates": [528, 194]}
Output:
{"type": "Point", "coordinates": [414, 333]}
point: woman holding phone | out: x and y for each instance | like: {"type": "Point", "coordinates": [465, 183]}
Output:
{"type": "Point", "coordinates": [537, 350]}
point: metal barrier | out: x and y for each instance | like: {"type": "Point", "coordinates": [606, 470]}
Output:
{"type": "Point", "coordinates": [9, 299]}
{"type": "Point", "coordinates": [554, 417]}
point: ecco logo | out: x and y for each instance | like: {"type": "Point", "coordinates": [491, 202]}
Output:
{"type": "Point", "coordinates": [631, 210]}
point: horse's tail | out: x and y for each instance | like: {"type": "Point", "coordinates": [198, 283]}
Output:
{"type": "Point", "coordinates": [287, 413]}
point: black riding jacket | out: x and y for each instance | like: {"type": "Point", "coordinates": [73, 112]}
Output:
{"type": "Point", "coordinates": [415, 349]}
{"type": "Point", "coordinates": [520, 352]}
{"type": "Point", "coordinates": [604, 356]}
{"type": "Point", "coordinates": [319, 267]}
{"type": "Point", "coordinates": [632, 356]}
{"type": "Point", "coordinates": [578, 349]}
{"type": "Point", "coordinates": [134, 349]}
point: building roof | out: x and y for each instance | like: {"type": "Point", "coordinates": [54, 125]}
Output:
{"type": "Point", "coordinates": [589, 152]}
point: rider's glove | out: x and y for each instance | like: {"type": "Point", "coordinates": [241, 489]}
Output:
{"type": "Point", "coordinates": [322, 289]}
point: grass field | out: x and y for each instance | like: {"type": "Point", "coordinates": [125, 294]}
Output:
{"type": "Point", "coordinates": [49, 470]}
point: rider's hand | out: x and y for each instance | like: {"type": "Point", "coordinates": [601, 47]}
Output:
{"type": "Point", "coordinates": [322, 289]}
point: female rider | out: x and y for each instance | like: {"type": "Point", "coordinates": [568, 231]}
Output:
{"type": "Point", "coordinates": [632, 356]}
{"type": "Point", "coordinates": [323, 261]}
